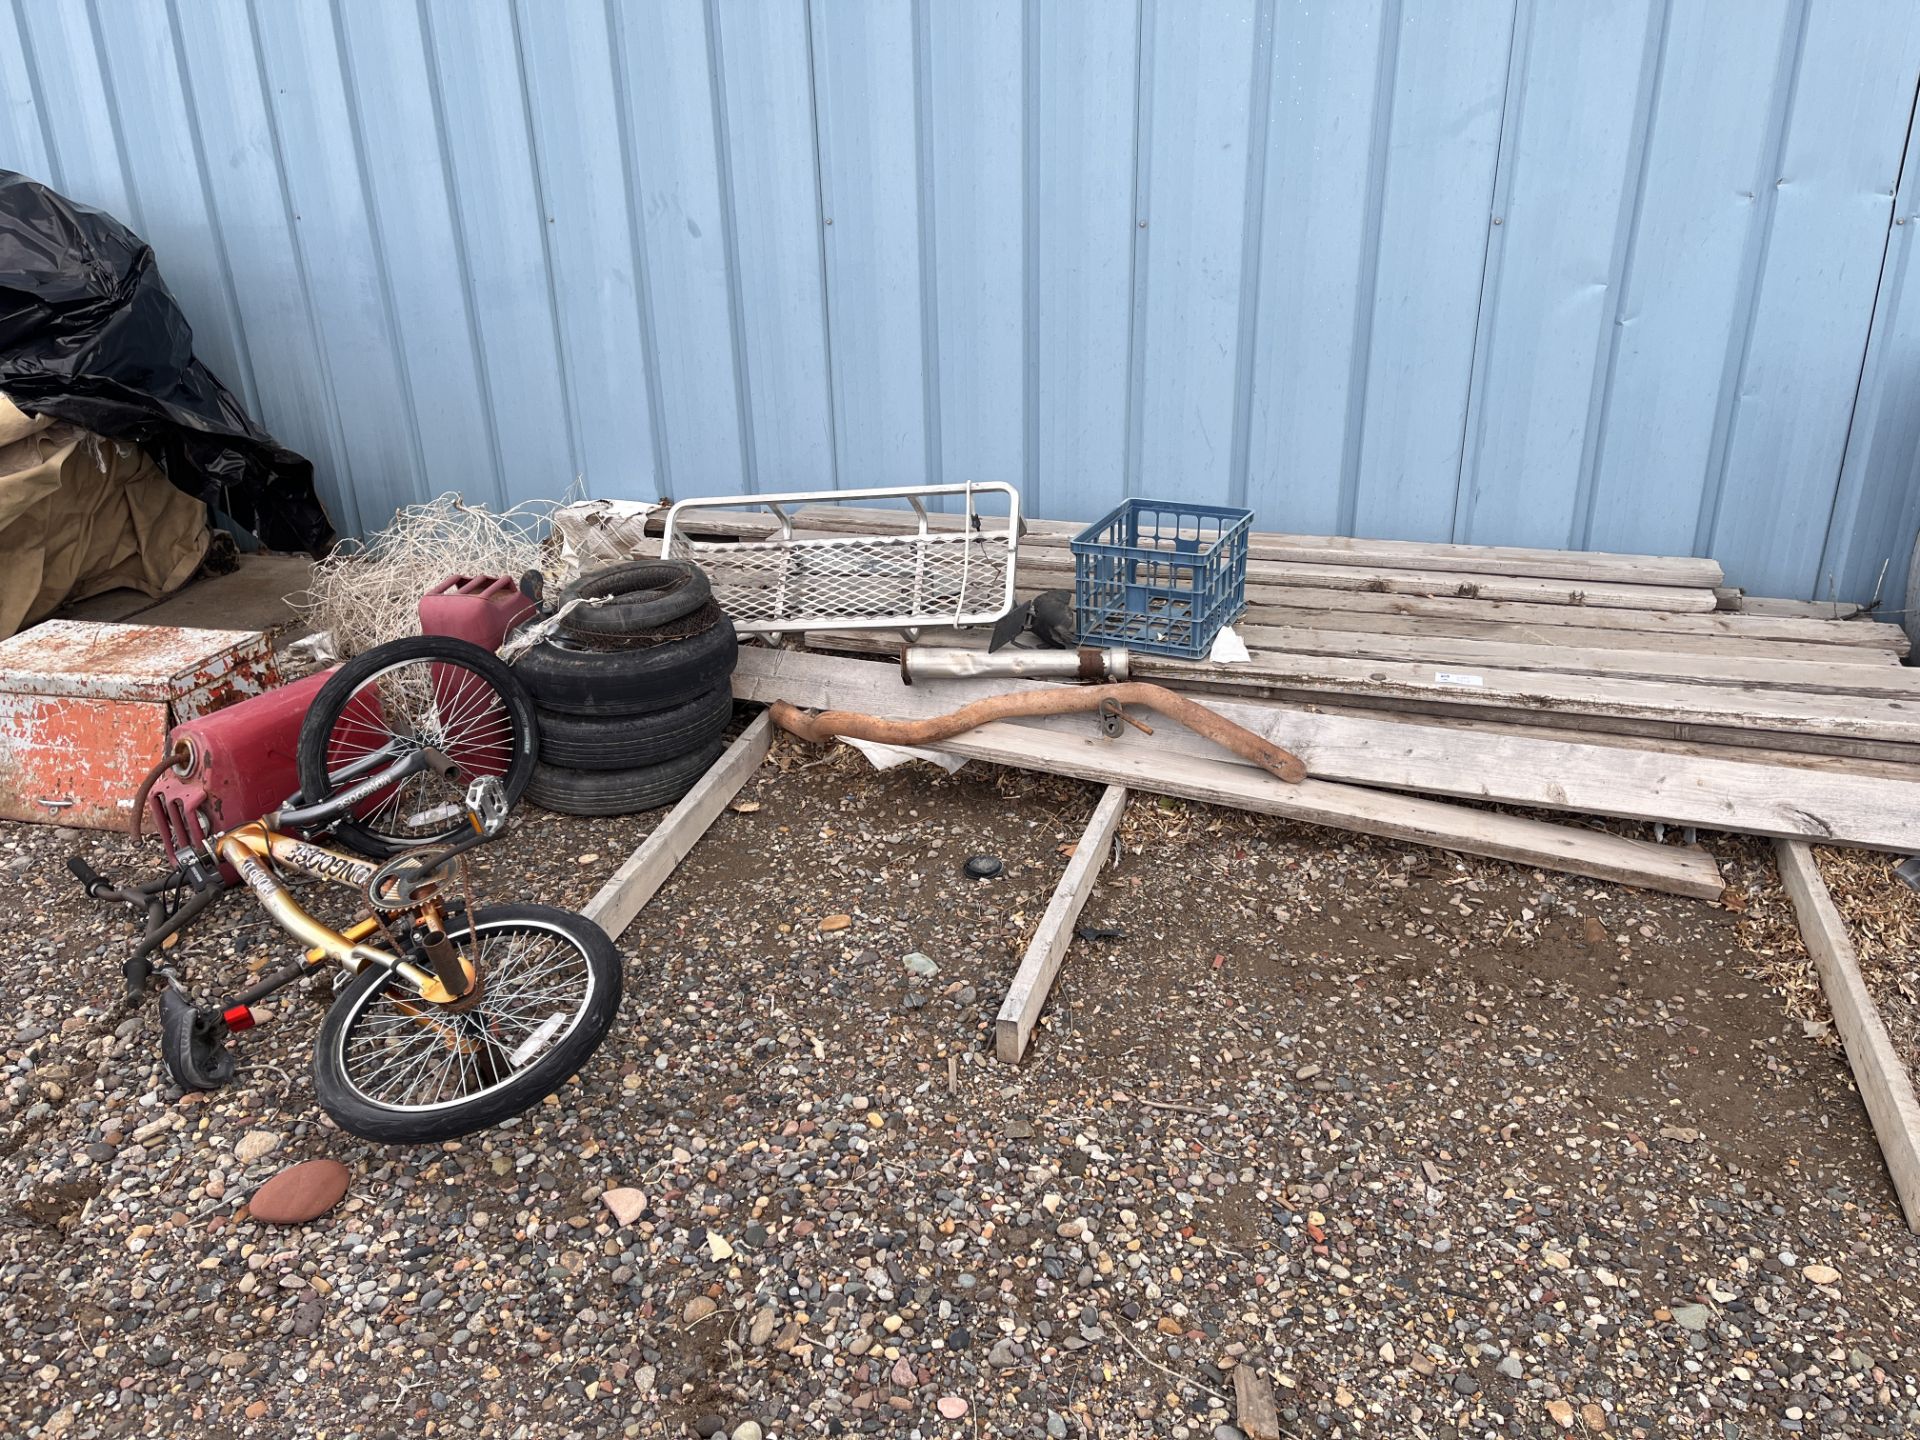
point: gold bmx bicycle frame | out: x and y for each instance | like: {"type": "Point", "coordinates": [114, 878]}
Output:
{"type": "Point", "coordinates": [254, 850]}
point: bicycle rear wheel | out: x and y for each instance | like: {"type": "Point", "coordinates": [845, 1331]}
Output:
{"type": "Point", "coordinates": [388, 1066]}
{"type": "Point", "coordinates": [426, 691]}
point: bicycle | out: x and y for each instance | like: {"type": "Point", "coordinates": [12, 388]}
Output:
{"type": "Point", "coordinates": [454, 1018]}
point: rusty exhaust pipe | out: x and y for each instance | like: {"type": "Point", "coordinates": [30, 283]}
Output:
{"type": "Point", "coordinates": [1068, 700]}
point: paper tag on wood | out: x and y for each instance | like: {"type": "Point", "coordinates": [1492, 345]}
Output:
{"type": "Point", "coordinates": [1455, 677]}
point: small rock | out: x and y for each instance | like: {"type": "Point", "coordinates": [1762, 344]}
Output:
{"type": "Point", "coordinates": [1018, 1129]}
{"type": "Point", "coordinates": [1821, 1274]}
{"type": "Point", "coordinates": [300, 1193]}
{"type": "Point", "coordinates": [1562, 1413]}
{"type": "Point", "coordinates": [707, 1426]}
{"type": "Point", "coordinates": [1511, 1367]}
{"type": "Point", "coordinates": [920, 964]}
{"type": "Point", "coordinates": [1691, 1317]}
{"type": "Point", "coordinates": [747, 1430]}
{"type": "Point", "coordinates": [761, 1330]}
{"type": "Point", "coordinates": [256, 1145]}
{"type": "Point", "coordinates": [699, 1308]}
{"type": "Point", "coordinates": [1595, 1417]}
{"type": "Point", "coordinates": [624, 1203]}
{"type": "Point", "coordinates": [951, 1407]}
{"type": "Point", "coordinates": [835, 922]}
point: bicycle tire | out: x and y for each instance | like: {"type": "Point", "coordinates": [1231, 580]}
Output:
{"type": "Point", "coordinates": [587, 742]}
{"type": "Point", "coordinates": [656, 593]}
{"type": "Point", "coordinates": [509, 751]}
{"type": "Point", "coordinates": [359, 1113]}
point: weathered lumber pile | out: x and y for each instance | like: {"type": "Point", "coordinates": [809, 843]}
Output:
{"type": "Point", "coordinates": [1597, 684]}
{"type": "Point", "coordinates": [1471, 659]}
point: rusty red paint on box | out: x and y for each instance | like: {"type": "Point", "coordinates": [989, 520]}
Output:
{"type": "Point", "coordinates": [85, 709]}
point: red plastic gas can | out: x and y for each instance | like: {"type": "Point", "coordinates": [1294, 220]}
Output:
{"type": "Point", "coordinates": [476, 608]}
{"type": "Point", "coordinates": [243, 761]}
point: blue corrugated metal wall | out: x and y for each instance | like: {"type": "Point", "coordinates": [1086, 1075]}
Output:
{"type": "Point", "coordinates": [1625, 274]}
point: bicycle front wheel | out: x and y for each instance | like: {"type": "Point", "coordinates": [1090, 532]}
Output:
{"type": "Point", "coordinates": [388, 1066]}
{"type": "Point", "coordinates": [428, 691]}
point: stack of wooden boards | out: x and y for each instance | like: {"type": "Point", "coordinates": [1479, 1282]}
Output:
{"type": "Point", "coordinates": [1612, 685]}
{"type": "Point", "coordinates": [1630, 653]}
{"type": "Point", "coordinates": [1638, 645]}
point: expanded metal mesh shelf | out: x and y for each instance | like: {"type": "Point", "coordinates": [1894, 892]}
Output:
{"type": "Point", "coordinates": [783, 582]}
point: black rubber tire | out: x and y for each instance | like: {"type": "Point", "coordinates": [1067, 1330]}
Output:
{"type": "Point", "coordinates": [575, 679]}
{"type": "Point", "coordinates": [357, 1114]}
{"type": "Point", "coordinates": [662, 592]}
{"type": "Point", "coordinates": [324, 713]}
{"type": "Point", "coordinates": [582, 742]}
{"type": "Point", "coordinates": [193, 1043]}
{"type": "Point", "coordinates": [620, 792]}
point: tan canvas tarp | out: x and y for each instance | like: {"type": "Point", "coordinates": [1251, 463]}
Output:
{"type": "Point", "coordinates": [79, 515]}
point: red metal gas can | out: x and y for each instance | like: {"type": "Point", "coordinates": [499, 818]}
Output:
{"type": "Point", "coordinates": [476, 608]}
{"type": "Point", "coordinates": [242, 762]}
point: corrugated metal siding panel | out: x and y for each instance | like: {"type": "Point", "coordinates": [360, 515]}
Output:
{"type": "Point", "coordinates": [1503, 271]}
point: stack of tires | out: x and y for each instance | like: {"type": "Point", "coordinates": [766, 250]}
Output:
{"type": "Point", "coordinates": [632, 694]}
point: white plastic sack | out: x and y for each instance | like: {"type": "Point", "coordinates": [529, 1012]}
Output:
{"type": "Point", "coordinates": [597, 533]}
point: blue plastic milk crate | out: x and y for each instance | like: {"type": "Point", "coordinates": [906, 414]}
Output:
{"type": "Point", "coordinates": [1161, 577]}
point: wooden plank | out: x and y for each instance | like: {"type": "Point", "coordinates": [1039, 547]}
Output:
{"type": "Point", "coordinates": [1857, 633]}
{"type": "Point", "coordinates": [1569, 658]}
{"type": "Point", "coordinates": [1037, 560]}
{"type": "Point", "coordinates": [1825, 610]}
{"type": "Point", "coordinates": [1462, 625]}
{"type": "Point", "coordinates": [1885, 1086]}
{"type": "Point", "coordinates": [1597, 854]}
{"type": "Point", "coordinates": [630, 887]}
{"type": "Point", "coordinates": [1033, 981]}
{"type": "Point", "coordinates": [1681, 570]}
{"type": "Point", "coordinates": [1684, 785]}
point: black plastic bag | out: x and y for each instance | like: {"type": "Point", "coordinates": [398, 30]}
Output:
{"type": "Point", "coordinates": [89, 335]}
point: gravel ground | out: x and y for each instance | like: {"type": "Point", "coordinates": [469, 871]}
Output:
{"type": "Point", "coordinates": [1443, 1147]}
